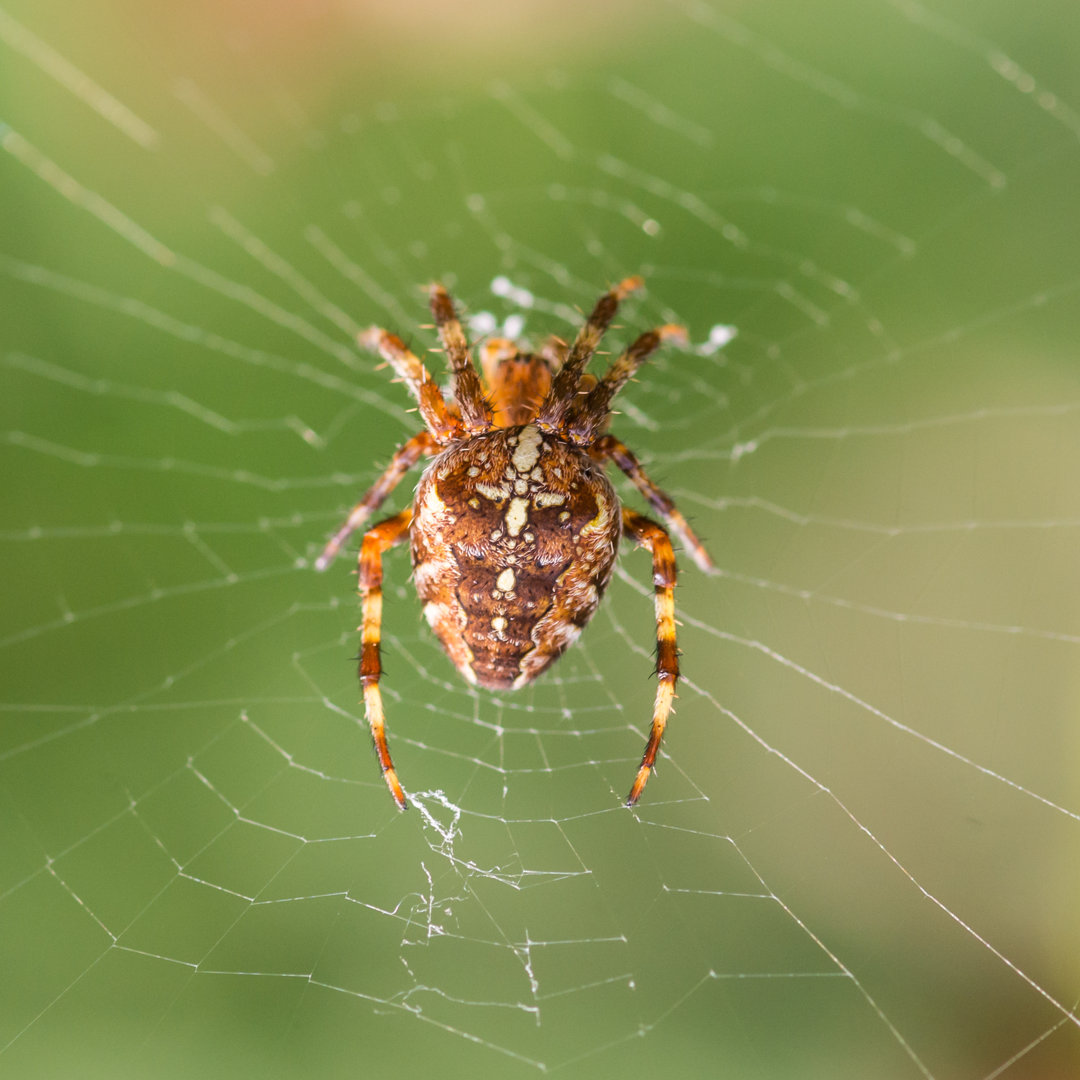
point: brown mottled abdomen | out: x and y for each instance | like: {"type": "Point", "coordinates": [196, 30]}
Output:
{"type": "Point", "coordinates": [535, 526]}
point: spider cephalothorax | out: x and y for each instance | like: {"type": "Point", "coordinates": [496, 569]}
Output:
{"type": "Point", "coordinates": [514, 527]}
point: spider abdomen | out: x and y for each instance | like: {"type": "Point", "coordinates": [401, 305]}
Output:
{"type": "Point", "coordinates": [514, 535]}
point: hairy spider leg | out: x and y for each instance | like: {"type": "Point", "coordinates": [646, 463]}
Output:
{"type": "Point", "coordinates": [591, 413]}
{"type": "Point", "coordinates": [467, 389]}
{"type": "Point", "coordinates": [377, 540]}
{"type": "Point", "coordinates": [648, 534]}
{"type": "Point", "coordinates": [564, 386]}
{"type": "Point", "coordinates": [443, 423]}
{"type": "Point", "coordinates": [405, 457]}
{"type": "Point", "coordinates": [608, 448]}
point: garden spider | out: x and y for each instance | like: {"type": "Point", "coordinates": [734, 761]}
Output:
{"type": "Point", "coordinates": [514, 527]}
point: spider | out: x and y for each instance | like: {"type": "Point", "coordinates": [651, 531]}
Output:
{"type": "Point", "coordinates": [514, 526]}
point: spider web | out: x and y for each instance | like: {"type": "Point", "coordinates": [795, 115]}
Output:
{"type": "Point", "coordinates": [859, 854]}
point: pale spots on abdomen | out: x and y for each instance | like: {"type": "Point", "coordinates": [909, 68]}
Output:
{"type": "Point", "coordinates": [512, 576]}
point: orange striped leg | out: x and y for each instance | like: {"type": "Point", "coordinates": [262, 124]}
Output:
{"type": "Point", "coordinates": [468, 390]}
{"type": "Point", "coordinates": [564, 387]}
{"type": "Point", "coordinates": [377, 540]}
{"type": "Point", "coordinates": [648, 534]}
{"type": "Point", "coordinates": [609, 448]}
{"type": "Point", "coordinates": [591, 415]}
{"type": "Point", "coordinates": [403, 460]}
{"type": "Point", "coordinates": [441, 421]}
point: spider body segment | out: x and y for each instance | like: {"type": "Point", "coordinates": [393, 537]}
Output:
{"type": "Point", "coordinates": [514, 527]}
{"type": "Point", "coordinates": [514, 537]}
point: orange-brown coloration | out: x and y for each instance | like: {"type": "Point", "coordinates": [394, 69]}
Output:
{"type": "Point", "coordinates": [517, 382]}
{"type": "Point", "coordinates": [514, 528]}
{"type": "Point", "coordinates": [512, 500]}
{"type": "Point", "coordinates": [376, 541]}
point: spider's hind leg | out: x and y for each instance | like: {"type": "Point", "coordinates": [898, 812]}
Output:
{"type": "Point", "coordinates": [377, 540]}
{"type": "Point", "coordinates": [653, 537]}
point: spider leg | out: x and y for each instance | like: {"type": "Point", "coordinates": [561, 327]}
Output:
{"type": "Point", "coordinates": [468, 390]}
{"type": "Point", "coordinates": [405, 457]}
{"type": "Point", "coordinates": [590, 415]}
{"type": "Point", "coordinates": [440, 420]}
{"type": "Point", "coordinates": [650, 535]}
{"type": "Point", "coordinates": [377, 540]}
{"type": "Point", "coordinates": [563, 390]}
{"type": "Point", "coordinates": [608, 448]}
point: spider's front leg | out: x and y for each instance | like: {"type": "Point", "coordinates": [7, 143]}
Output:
{"type": "Point", "coordinates": [377, 540]}
{"type": "Point", "coordinates": [648, 534]}
{"type": "Point", "coordinates": [468, 390]}
{"type": "Point", "coordinates": [589, 415]}
{"type": "Point", "coordinates": [562, 396]}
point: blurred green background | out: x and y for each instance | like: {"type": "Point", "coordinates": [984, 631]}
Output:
{"type": "Point", "coordinates": [860, 855]}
